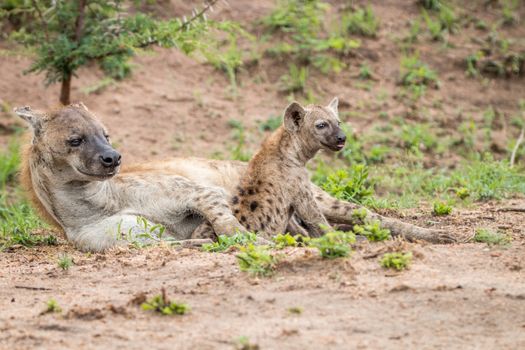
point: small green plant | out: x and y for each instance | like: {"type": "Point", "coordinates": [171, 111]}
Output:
{"type": "Point", "coordinates": [417, 76]}
{"type": "Point", "coordinates": [65, 262]}
{"type": "Point", "coordinates": [271, 124]}
{"type": "Point", "coordinates": [287, 240]}
{"type": "Point", "coordinates": [9, 163]}
{"type": "Point", "coordinates": [361, 22]}
{"type": "Point", "coordinates": [372, 231]}
{"type": "Point", "coordinates": [148, 233]}
{"type": "Point", "coordinates": [17, 223]}
{"type": "Point", "coordinates": [462, 192]}
{"type": "Point", "coordinates": [52, 307]}
{"type": "Point", "coordinates": [334, 244]}
{"type": "Point", "coordinates": [491, 237]}
{"type": "Point", "coordinates": [417, 137]}
{"type": "Point", "coordinates": [295, 80]}
{"type": "Point", "coordinates": [397, 261]}
{"type": "Point", "coordinates": [434, 5]}
{"type": "Point", "coordinates": [350, 184]}
{"type": "Point", "coordinates": [295, 310]}
{"type": "Point", "coordinates": [509, 12]}
{"type": "Point", "coordinates": [243, 343]}
{"type": "Point", "coordinates": [359, 214]}
{"type": "Point", "coordinates": [256, 260]}
{"type": "Point", "coordinates": [238, 151]}
{"type": "Point", "coordinates": [225, 242]}
{"type": "Point", "coordinates": [441, 209]}
{"type": "Point", "coordinates": [163, 306]}
{"type": "Point", "coordinates": [365, 72]}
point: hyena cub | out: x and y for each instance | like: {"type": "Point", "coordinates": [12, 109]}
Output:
{"type": "Point", "coordinates": [276, 184]}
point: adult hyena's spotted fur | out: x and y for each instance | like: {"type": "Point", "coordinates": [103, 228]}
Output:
{"type": "Point", "coordinates": [276, 184]}
{"type": "Point", "coordinates": [89, 201]}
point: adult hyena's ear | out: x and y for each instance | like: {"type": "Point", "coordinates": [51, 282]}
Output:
{"type": "Point", "coordinates": [333, 105]}
{"type": "Point", "coordinates": [31, 117]}
{"type": "Point", "coordinates": [293, 117]}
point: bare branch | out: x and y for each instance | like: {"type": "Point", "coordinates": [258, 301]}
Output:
{"type": "Point", "coordinates": [517, 146]}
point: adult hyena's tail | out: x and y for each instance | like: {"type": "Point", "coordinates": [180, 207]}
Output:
{"type": "Point", "coordinates": [340, 212]}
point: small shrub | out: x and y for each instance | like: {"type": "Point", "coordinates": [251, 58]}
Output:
{"type": "Point", "coordinates": [295, 80]}
{"type": "Point", "coordinates": [334, 244]}
{"type": "Point", "coordinates": [441, 209]}
{"type": "Point", "coordinates": [491, 237]}
{"type": "Point", "coordinates": [256, 260]}
{"type": "Point", "coordinates": [365, 72]}
{"type": "Point", "coordinates": [361, 22]}
{"type": "Point", "coordinates": [397, 261]}
{"type": "Point", "coordinates": [271, 124]}
{"type": "Point", "coordinates": [372, 231]}
{"type": "Point", "coordinates": [225, 242]}
{"type": "Point", "coordinates": [65, 262]}
{"type": "Point", "coordinates": [462, 192]}
{"type": "Point", "coordinates": [163, 306]}
{"type": "Point", "coordinates": [349, 184]}
{"type": "Point", "coordinates": [418, 137]}
{"type": "Point", "coordinates": [417, 75]}
{"type": "Point", "coordinates": [52, 307]}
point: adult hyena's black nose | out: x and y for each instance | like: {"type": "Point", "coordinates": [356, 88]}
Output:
{"type": "Point", "coordinates": [341, 137]}
{"type": "Point", "coordinates": [110, 158]}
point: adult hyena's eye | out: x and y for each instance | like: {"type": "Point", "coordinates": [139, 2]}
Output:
{"type": "Point", "coordinates": [321, 125]}
{"type": "Point", "coordinates": [75, 142]}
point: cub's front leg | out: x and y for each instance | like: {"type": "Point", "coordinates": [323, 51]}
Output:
{"type": "Point", "coordinates": [308, 211]}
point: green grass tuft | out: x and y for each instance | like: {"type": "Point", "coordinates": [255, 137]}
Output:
{"type": "Point", "coordinates": [256, 260]}
{"type": "Point", "coordinates": [491, 237]}
{"type": "Point", "coordinates": [397, 261]}
{"type": "Point", "coordinates": [334, 244]}
{"type": "Point", "coordinates": [225, 242]}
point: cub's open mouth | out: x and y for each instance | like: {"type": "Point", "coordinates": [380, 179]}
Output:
{"type": "Point", "coordinates": [334, 148]}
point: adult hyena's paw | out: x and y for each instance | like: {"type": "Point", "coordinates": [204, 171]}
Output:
{"type": "Point", "coordinates": [441, 237]}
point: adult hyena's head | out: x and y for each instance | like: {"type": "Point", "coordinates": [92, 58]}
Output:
{"type": "Point", "coordinates": [72, 143]}
{"type": "Point", "coordinates": [317, 127]}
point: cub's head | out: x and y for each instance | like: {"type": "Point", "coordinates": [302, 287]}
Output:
{"type": "Point", "coordinates": [72, 142]}
{"type": "Point", "coordinates": [316, 126]}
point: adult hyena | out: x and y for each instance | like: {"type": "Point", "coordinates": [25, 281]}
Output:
{"type": "Point", "coordinates": [72, 174]}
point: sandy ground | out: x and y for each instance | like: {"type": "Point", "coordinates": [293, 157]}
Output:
{"type": "Point", "coordinates": [462, 296]}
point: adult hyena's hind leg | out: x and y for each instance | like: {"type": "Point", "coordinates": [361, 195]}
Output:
{"type": "Point", "coordinates": [340, 212]}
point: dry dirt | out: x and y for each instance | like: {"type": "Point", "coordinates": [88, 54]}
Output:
{"type": "Point", "coordinates": [462, 296]}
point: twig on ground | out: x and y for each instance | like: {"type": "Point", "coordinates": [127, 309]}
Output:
{"type": "Point", "coordinates": [32, 288]}
{"type": "Point", "coordinates": [516, 209]}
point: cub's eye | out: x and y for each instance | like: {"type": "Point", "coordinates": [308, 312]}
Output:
{"type": "Point", "coordinates": [75, 142]}
{"type": "Point", "coordinates": [321, 125]}
{"type": "Point", "coordinates": [107, 137]}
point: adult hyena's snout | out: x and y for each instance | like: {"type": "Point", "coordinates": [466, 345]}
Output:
{"type": "Point", "coordinates": [110, 158]}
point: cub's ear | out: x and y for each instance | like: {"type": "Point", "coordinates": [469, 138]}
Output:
{"type": "Point", "coordinates": [31, 117]}
{"type": "Point", "coordinates": [333, 105]}
{"type": "Point", "coordinates": [80, 105]}
{"type": "Point", "coordinates": [293, 117]}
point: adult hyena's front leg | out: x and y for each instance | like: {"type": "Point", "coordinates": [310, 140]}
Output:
{"type": "Point", "coordinates": [340, 212]}
{"type": "Point", "coordinates": [212, 204]}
